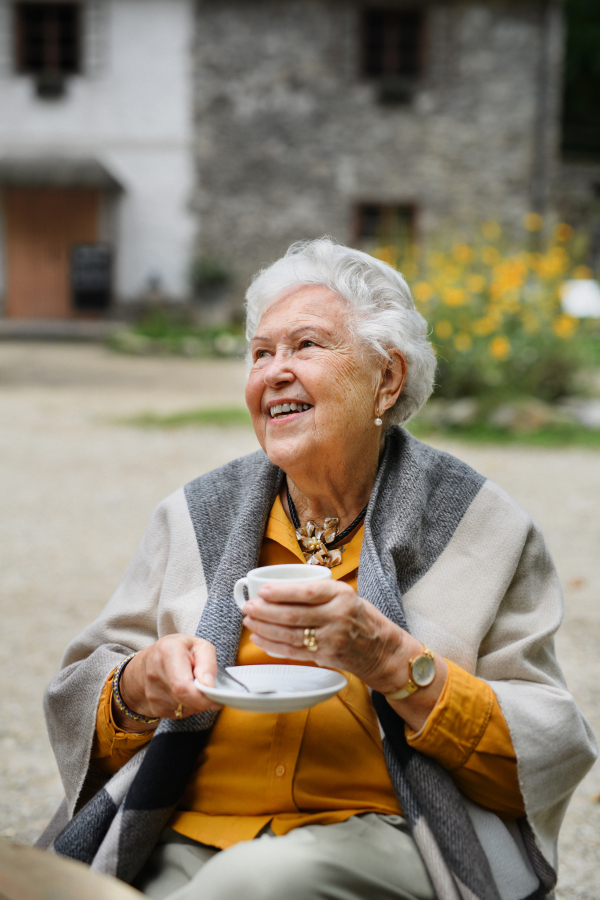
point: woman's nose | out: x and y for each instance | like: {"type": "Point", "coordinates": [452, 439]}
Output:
{"type": "Point", "coordinates": [278, 371]}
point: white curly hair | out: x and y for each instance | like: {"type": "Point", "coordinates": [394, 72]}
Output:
{"type": "Point", "coordinates": [384, 312]}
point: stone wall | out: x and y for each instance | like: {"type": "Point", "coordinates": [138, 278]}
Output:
{"type": "Point", "coordinates": [290, 136]}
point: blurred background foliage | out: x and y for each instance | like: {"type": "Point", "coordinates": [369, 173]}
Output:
{"type": "Point", "coordinates": [495, 314]}
{"type": "Point", "coordinates": [174, 329]}
{"type": "Point", "coordinates": [500, 333]}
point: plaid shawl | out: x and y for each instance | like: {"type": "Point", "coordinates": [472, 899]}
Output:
{"type": "Point", "coordinates": [419, 499]}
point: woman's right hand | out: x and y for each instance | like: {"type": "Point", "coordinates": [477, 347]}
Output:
{"type": "Point", "coordinates": [162, 676]}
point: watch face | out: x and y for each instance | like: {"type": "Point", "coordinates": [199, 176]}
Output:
{"type": "Point", "coordinates": [423, 670]}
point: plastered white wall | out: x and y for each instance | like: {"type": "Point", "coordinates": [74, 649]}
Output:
{"type": "Point", "coordinates": [131, 109]}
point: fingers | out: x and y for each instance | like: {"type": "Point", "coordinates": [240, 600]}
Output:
{"type": "Point", "coordinates": [205, 663]}
{"type": "Point", "coordinates": [286, 651]}
{"type": "Point", "coordinates": [291, 616]}
{"type": "Point", "coordinates": [313, 594]}
{"type": "Point", "coordinates": [278, 634]}
{"type": "Point", "coordinates": [170, 673]}
{"type": "Point", "coordinates": [278, 627]}
{"type": "Point", "coordinates": [300, 605]}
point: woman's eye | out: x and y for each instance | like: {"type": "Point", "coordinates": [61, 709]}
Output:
{"type": "Point", "coordinates": [260, 354]}
{"type": "Point", "coordinates": [307, 343]}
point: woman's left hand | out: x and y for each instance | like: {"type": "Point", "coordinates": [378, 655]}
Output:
{"type": "Point", "coordinates": [351, 633]}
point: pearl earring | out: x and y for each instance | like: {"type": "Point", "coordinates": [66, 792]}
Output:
{"type": "Point", "coordinates": [378, 421]}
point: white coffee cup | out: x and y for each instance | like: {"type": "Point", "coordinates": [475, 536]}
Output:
{"type": "Point", "coordinates": [289, 573]}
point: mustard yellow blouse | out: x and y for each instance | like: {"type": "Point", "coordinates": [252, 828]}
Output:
{"type": "Point", "coordinates": [325, 764]}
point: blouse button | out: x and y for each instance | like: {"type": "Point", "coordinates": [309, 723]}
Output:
{"type": "Point", "coordinates": [280, 771]}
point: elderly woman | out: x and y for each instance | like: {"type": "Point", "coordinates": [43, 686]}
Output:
{"type": "Point", "coordinates": [443, 769]}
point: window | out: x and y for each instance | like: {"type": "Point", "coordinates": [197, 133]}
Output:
{"type": "Point", "coordinates": [47, 43]}
{"type": "Point", "coordinates": [392, 51]}
{"type": "Point", "coordinates": [385, 223]}
{"type": "Point", "coordinates": [91, 266]}
{"type": "Point", "coordinates": [581, 121]}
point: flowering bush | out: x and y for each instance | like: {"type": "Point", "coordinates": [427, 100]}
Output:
{"type": "Point", "coordinates": [495, 313]}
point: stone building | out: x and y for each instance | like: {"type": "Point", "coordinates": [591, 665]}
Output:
{"type": "Point", "coordinates": [368, 120]}
{"type": "Point", "coordinates": [139, 136]}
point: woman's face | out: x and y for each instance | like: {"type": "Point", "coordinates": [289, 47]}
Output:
{"type": "Point", "coordinates": [303, 353]}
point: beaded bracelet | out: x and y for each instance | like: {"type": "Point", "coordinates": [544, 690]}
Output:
{"type": "Point", "coordinates": [119, 700]}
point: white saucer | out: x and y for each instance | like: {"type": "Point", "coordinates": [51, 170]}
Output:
{"type": "Point", "coordinates": [296, 687]}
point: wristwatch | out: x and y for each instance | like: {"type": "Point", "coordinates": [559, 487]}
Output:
{"type": "Point", "coordinates": [422, 672]}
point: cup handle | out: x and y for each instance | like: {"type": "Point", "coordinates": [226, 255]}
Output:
{"type": "Point", "coordinates": [238, 592]}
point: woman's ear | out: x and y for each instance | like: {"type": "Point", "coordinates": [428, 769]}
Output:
{"type": "Point", "coordinates": [392, 381]}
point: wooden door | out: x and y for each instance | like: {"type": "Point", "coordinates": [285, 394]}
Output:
{"type": "Point", "coordinates": [42, 224]}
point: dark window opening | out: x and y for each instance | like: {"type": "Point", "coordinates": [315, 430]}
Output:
{"type": "Point", "coordinates": [48, 44]}
{"type": "Point", "coordinates": [392, 51]}
{"type": "Point", "coordinates": [392, 43]}
{"type": "Point", "coordinates": [385, 224]}
{"type": "Point", "coordinates": [91, 277]}
{"type": "Point", "coordinates": [581, 100]}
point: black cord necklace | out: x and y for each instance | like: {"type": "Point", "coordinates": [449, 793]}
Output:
{"type": "Point", "coordinates": [338, 537]}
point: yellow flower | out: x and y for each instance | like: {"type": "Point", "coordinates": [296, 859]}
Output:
{"type": "Point", "coordinates": [582, 272]}
{"type": "Point", "coordinates": [491, 231]}
{"type": "Point", "coordinates": [500, 347]}
{"type": "Point", "coordinates": [555, 263]}
{"type": "Point", "coordinates": [490, 255]}
{"type": "Point", "coordinates": [443, 329]}
{"type": "Point", "coordinates": [454, 297]}
{"type": "Point", "coordinates": [533, 221]}
{"type": "Point", "coordinates": [462, 253]}
{"type": "Point", "coordinates": [563, 232]}
{"type": "Point", "coordinates": [564, 326]}
{"type": "Point", "coordinates": [510, 274]}
{"type": "Point", "coordinates": [476, 283]}
{"type": "Point", "coordinates": [463, 342]}
{"type": "Point", "coordinates": [423, 291]}
{"type": "Point", "coordinates": [386, 255]}
{"type": "Point", "coordinates": [484, 326]}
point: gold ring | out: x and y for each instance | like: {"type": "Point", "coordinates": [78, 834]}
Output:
{"type": "Point", "coordinates": [310, 640]}
{"type": "Point", "coordinates": [179, 711]}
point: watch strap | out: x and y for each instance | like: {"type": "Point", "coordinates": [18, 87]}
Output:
{"type": "Point", "coordinates": [409, 688]}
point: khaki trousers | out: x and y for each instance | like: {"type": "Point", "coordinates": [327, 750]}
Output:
{"type": "Point", "coordinates": [368, 857]}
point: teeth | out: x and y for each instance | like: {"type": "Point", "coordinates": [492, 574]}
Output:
{"type": "Point", "coordinates": [286, 408]}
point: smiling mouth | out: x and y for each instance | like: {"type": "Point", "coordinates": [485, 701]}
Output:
{"type": "Point", "coordinates": [286, 409]}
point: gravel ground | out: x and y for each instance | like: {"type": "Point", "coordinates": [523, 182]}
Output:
{"type": "Point", "coordinates": [77, 489]}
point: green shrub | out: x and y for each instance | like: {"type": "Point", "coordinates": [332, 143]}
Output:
{"type": "Point", "coordinates": [172, 330]}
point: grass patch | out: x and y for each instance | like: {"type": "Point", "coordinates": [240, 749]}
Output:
{"type": "Point", "coordinates": [556, 435]}
{"type": "Point", "coordinates": [173, 332]}
{"type": "Point", "coordinates": [225, 417]}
